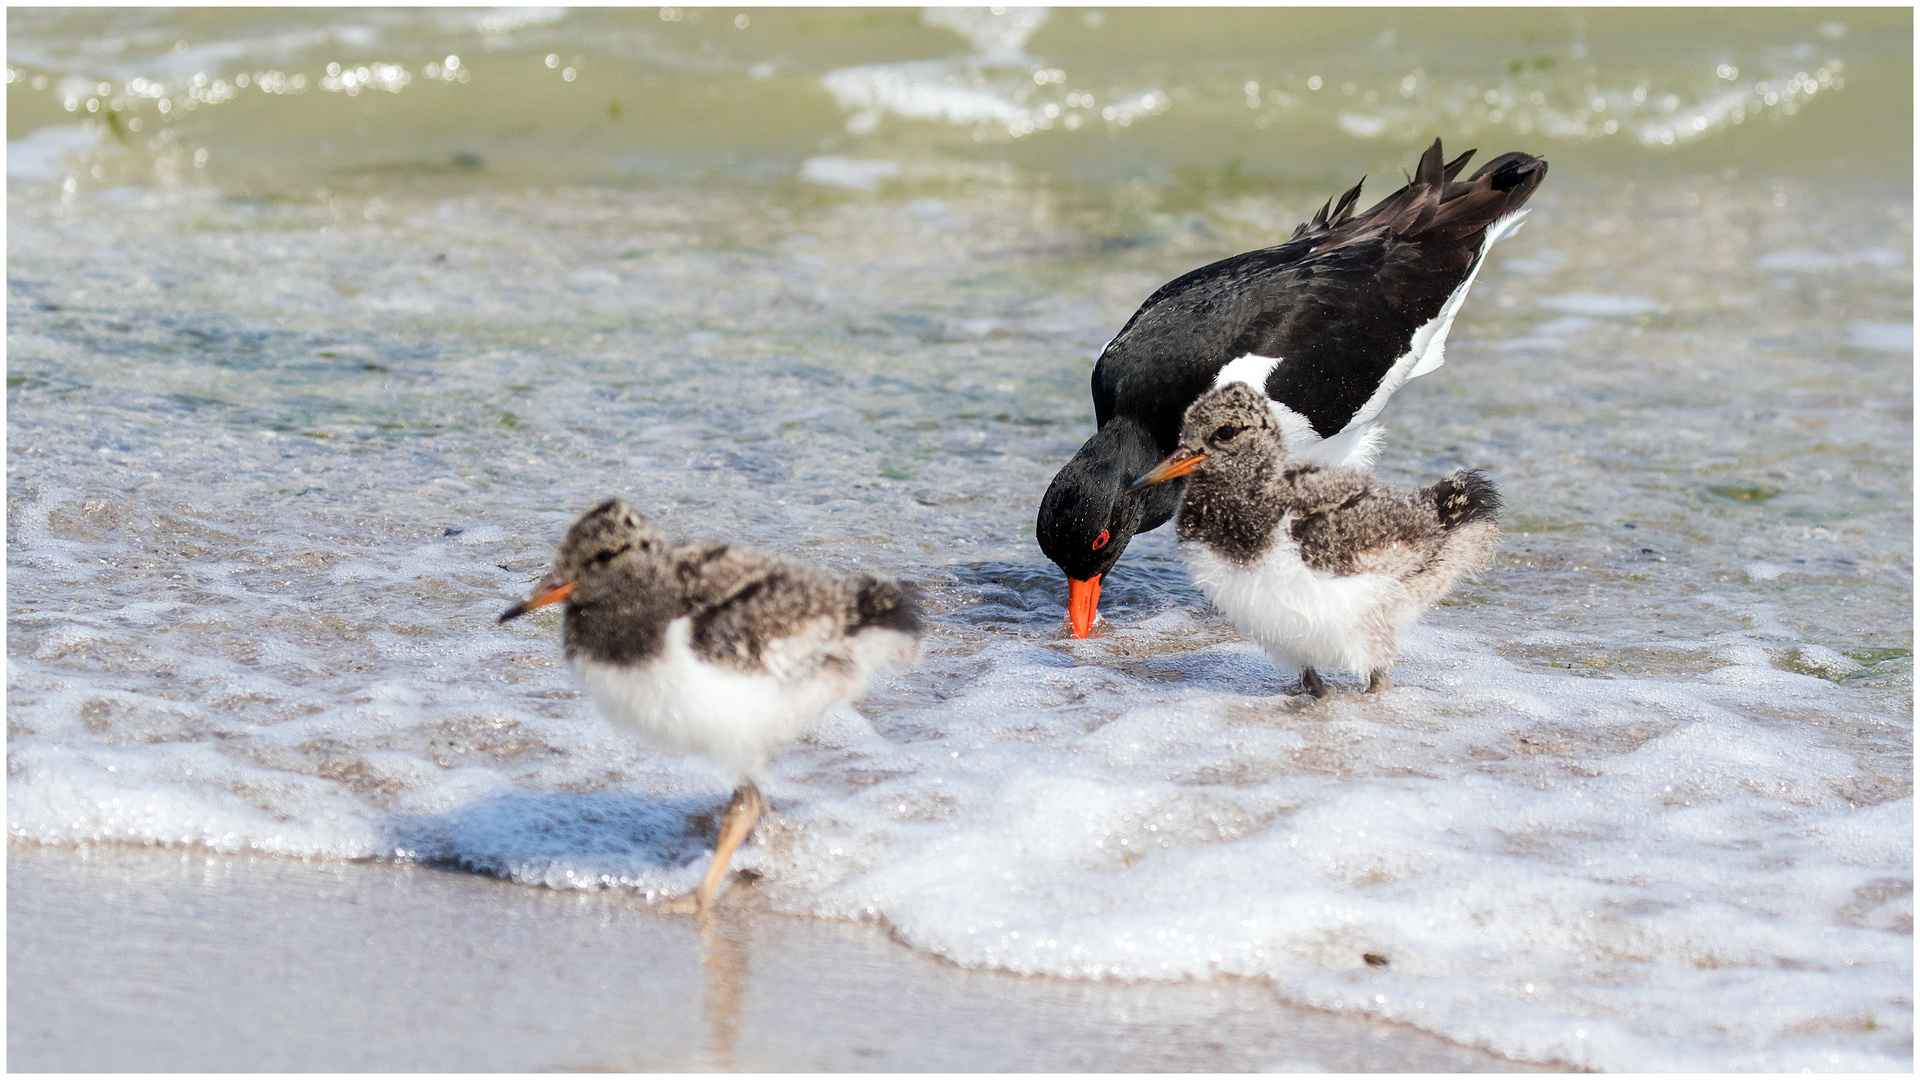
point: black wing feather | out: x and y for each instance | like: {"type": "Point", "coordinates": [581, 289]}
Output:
{"type": "Point", "coordinates": [1339, 300]}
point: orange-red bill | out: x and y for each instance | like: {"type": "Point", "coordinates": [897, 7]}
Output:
{"type": "Point", "coordinates": [543, 594]}
{"type": "Point", "coordinates": [1178, 464]}
{"type": "Point", "coordinates": [1083, 603]}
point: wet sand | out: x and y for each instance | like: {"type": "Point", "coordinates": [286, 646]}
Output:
{"type": "Point", "coordinates": [124, 959]}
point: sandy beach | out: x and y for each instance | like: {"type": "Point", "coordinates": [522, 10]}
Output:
{"type": "Point", "coordinates": [133, 959]}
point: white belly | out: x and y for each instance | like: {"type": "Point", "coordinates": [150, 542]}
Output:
{"type": "Point", "coordinates": [736, 717]}
{"type": "Point", "coordinates": [1303, 616]}
{"type": "Point", "coordinates": [678, 702]}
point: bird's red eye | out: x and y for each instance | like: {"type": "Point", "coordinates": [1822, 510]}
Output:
{"type": "Point", "coordinates": [1100, 541]}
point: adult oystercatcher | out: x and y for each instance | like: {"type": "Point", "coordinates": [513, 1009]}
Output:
{"type": "Point", "coordinates": [1319, 565]}
{"type": "Point", "coordinates": [1329, 324]}
{"type": "Point", "coordinates": [716, 650]}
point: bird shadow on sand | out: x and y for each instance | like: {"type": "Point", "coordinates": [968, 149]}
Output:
{"type": "Point", "coordinates": [601, 838]}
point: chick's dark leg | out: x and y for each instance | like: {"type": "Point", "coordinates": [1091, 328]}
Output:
{"type": "Point", "coordinates": [1311, 682]}
{"type": "Point", "coordinates": [1379, 681]}
{"type": "Point", "coordinates": [741, 814]}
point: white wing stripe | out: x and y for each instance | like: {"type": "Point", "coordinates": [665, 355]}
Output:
{"type": "Point", "coordinates": [1250, 369]}
{"type": "Point", "coordinates": [1433, 352]}
{"type": "Point", "coordinates": [1355, 444]}
{"type": "Point", "coordinates": [1428, 349]}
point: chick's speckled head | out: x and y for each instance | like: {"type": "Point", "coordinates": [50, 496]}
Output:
{"type": "Point", "coordinates": [606, 553]}
{"type": "Point", "coordinates": [1230, 422]}
{"type": "Point", "coordinates": [1228, 433]}
{"type": "Point", "coordinates": [606, 538]}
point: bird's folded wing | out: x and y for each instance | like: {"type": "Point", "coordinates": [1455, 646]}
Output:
{"type": "Point", "coordinates": [710, 574]}
{"type": "Point", "coordinates": [742, 614]}
{"type": "Point", "coordinates": [1350, 528]}
{"type": "Point", "coordinates": [1351, 306]}
{"type": "Point", "coordinates": [1317, 491]}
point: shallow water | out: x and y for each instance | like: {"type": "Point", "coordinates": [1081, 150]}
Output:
{"type": "Point", "coordinates": [293, 420]}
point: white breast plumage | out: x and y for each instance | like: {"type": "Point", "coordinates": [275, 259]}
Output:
{"type": "Point", "coordinates": [679, 702]}
{"type": "Point", "coordinates": [1302, 616]}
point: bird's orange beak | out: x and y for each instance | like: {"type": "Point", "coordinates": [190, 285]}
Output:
{"type": "Point", "coordinates": [549, 591]}
{"type": "Point", "coordinates": [1178, 464]}
{"type": "Point", "coordinates": [1083, 603]}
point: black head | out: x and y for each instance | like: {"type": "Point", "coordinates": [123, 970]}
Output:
{"type": "Point", "coordinates": [1086, 519]}
{"type": "Point", "coordinates": [1088, 516]}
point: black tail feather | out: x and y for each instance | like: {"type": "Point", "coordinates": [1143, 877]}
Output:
{"type": "Point", "coordinates": [1433, 199]}
{"type": "Point", "coordinates": [1515, 174]}
{"type": "Point", "coordinates": [1506, 169]}
{"type": "Point", "coordinates": [1432, 168]}
{"type": "Point", "coordinates": [1344, 209]}
{"type": "Point", "coordinates": [1465, 496]}
{"type": "Point", "coordinates": [1453, 167]}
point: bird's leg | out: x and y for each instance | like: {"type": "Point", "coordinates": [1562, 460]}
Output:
{"type": "Point", "coordinates": [1311, 682]}
{"type": "Point", "coordinates": [741, 814]}
{"type": "Point", "coordinates": [1379, 681]}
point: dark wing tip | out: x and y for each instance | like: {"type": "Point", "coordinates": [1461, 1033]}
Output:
{"type": "Point", "coordinates": [1511, 170]}
{"type": "Point", "coordinates": [1344, 209]}
{"type": "Point", "coordinates": [1453, 167]}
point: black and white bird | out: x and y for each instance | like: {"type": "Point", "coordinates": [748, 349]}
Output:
{"type": "Point", "coordinates": [1321, 566]}
{"type": "Point", "coordinates": [1328, 324]}
{"type": "Point", "coordinates": [716, 650]}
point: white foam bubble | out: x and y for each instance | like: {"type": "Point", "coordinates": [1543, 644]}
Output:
{"type": "Point", "coordinates": [484, 534]}
{"type": "Point", "coordinates": [926, 90]}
